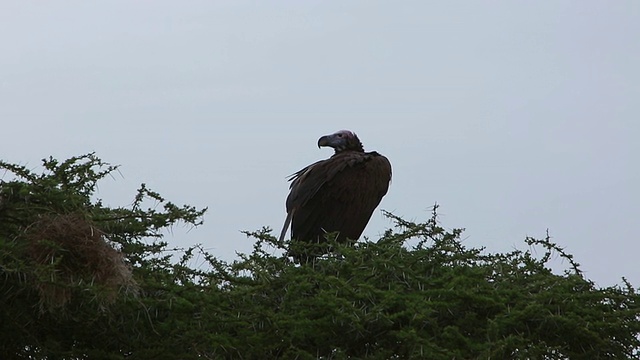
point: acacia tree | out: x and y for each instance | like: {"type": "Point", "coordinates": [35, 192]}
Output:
{"type": "Point", "coordinates": [83, 280]}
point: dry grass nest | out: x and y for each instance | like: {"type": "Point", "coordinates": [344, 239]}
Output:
{"type": "Point", "coordinates": [70, 251]}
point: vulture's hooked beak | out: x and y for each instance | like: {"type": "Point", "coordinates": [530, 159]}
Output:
{"type": "Point", "coordinates": [323, 141]}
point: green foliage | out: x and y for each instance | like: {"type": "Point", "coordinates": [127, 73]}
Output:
{"type": "Point", "coordinates": [71, 269]}
{"type": "Point", "coordinates": [417, 292]}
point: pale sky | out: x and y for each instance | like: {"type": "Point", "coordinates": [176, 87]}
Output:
{"type": "Point", "coordinates": [514, 116]}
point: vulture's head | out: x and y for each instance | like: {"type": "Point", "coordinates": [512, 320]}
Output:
{"type": "Point", "coordinates": [341, 141]}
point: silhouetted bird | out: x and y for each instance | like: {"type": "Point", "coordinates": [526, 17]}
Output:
{"type": "Point", "coordinates": [338, 194]}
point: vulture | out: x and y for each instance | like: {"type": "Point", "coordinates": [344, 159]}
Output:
{"type": "Point", "coordinates": [338, 194]}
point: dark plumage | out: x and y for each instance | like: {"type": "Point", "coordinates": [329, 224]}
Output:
{"type": "Point", "coordinates": [337, 194]}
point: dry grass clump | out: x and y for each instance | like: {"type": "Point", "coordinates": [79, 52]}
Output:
{"type": "Point", "coordinates": [68, 251]}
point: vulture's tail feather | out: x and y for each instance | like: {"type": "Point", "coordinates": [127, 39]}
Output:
{"type": "Point", "coordinates": [287, 222]}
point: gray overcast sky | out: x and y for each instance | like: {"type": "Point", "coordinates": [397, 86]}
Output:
{"type": "Point", "coordinates": [514, 116]}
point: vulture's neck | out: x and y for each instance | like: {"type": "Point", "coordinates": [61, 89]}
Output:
{"type": "Point", "coordinates": [344, 151]}
{"type": "Point", "coordinates": [354, 146]}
